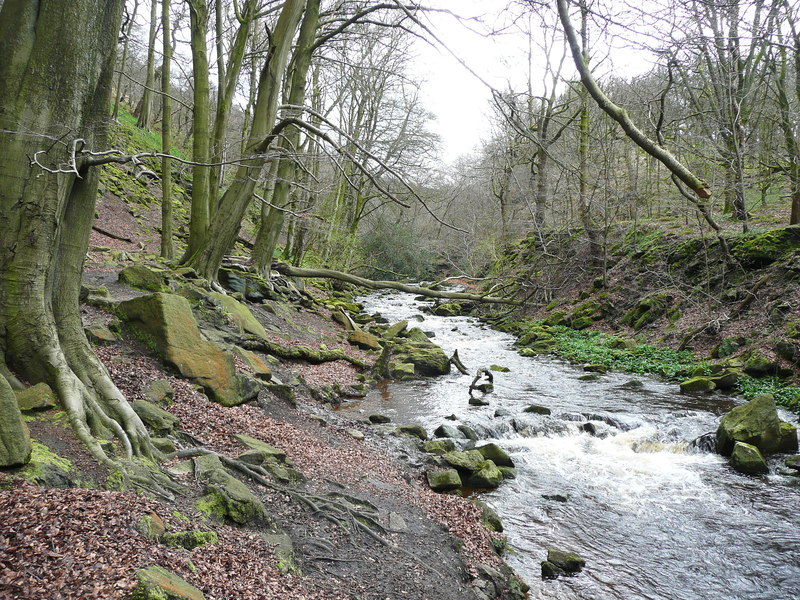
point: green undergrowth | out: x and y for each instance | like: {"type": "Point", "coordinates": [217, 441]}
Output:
{"type": "Point", "coordinates": [594, 347]}
{"type": "Point", "coordinates": [785, 394]}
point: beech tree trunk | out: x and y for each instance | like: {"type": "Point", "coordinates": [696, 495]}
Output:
{"type": "Point", "coordinates": [271, 227]}
{"type": "Point", "coordinates": [55, 89]}
{"type": "Point", "coordinates": [233, 204]}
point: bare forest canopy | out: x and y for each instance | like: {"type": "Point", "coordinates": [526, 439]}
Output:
{"type": "Point", "coordinates": [345, 171]}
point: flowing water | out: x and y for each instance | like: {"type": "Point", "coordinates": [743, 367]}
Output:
{"type": "Point", "coordinates": [652, 519]}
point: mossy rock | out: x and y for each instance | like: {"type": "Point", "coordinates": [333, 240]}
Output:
{"type": "Point", "coordinates": [151, 526]}
{"type": "Point", "coordinates": [488, 476]}
{"type": "Point", "coordinates": [499, 369]}
{"type": "Point", "coordinates": [166, 322]}
{"type": "Point", "coordinates": [727, 380]}
{"type": "Point", "coordinates": [596, 368]}
{"type": "Point", "coordinates": [35, 398]}
{"type": "Point", "coordinates": [395, 330]}
{"type": "Point", "coordinates": [581, 323]}
{"type": "Point", "coordinates": [788, 438]}
{"type": "Point", "coordinates": [647, 310]}
{"type": "Point", "coordinates": [698, 384]}
{"type": "Point", "coordinates": [227, 498]}
{"type": "Point", "coordinates": [788, 350]}
{"type": "Point", "coordinates": [557, 317]}
{"type": "Point", "coordinates": [760, 250]}
{"type": "Point", "coordinates": [448, 431]}
{"type": "Point", "coordinates": [159, 391]}
{"type": "Point", "coordinates": [468, 432]}
{"type": "Point", "coordinates": [157, 419]}
{"type": "Point", "coordinates": [447, 480]}
{"type": "Point", "coordinates": [416, 431]}
{"type": "Point", "coordinates": [568, 562]}
{"type": "Point", "coordinates": [760, 366]}
{"type": "Point", "coordinates": [99, 334]}
{"type": "Point", "coordinates": [439, 447]}
{"type": "Point", "coordinates": [496, 454]}
{"type": "Point", "coordinates": [258, 445]}
{"type": "Point", "coordinates": [489, 517]}
{"type": "Point", "coordinates": [747, 459]}
{"type": "Point", "coordinates": [284, 552]}
{"type": "Point", "coordinates": [142, 277]}
{"type": "Point", "coordinates": [379, 419]}
{"type": "Point", "coordinates": [469, 461]}
{"type": "Point", "coordinates": [755, 423]}
{"type": "Point", "coordinates": [239, 314]}
{"type": "Point", "coordinates": [727, 347]}
{"type": "Point", "coordinates": [429, 360]}
{"type": "Point", "coordinates": [477, 401]}
{"type": "Point", "coordinates": [538, 409]}
{"type": "Point", "coordinates": [452, 309]}
{"type": "Point", "coordinates": [364, 340]}
{"type": "Point", "coordinates": [156, 583]}
{"type": "Point", "coordinates": [508, 472]}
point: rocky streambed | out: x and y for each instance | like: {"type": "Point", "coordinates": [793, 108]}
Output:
{"type": "Point", "coordinates": [605, 467]}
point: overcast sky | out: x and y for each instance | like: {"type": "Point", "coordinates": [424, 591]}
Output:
{"type": "Point", "coordinates": [460, 101]}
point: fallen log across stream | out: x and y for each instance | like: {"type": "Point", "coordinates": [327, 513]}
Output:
{"type": "Point", "coordinates": [291, 271]}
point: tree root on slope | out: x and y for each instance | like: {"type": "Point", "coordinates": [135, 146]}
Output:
{"type": "Point", "coordinates": [341, 515]}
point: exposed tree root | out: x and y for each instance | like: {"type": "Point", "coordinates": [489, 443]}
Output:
{"type": "Point", "coordinates": [305, 353]}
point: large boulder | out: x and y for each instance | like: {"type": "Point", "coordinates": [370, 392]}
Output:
{"type": "Point", "coordinates": [143, 277]}
{"type": "Point", "coordinates": [444, 481]}
{"type": "Point", "coordinates": [166, 322]}
{"type": "Point", "coordinates": [746, 458]}
{"type": "Point", "coordinates": [698, 384]}
{"type": "Point", "coordinates": [226, 498]}
{"type": "Point", "coordinates": [469, 461]}
{"type": "Point", "coordinates": [756, 423]}
{"type": "Point", "coordinates": [496, 454]}
{"type": "Point", "coordinates": [428, 359]}
{"type": "Point", "coordinates": [15, 439]}
{"type": "Point", "coordinates": [488, 476]}
{"type": "Point", "coordinates": [448, 431]}
{"type": "Point", "coordinates": [363, 339]}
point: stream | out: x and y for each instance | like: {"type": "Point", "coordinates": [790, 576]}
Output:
{"type": "Point", "coordinates": [652, 519]}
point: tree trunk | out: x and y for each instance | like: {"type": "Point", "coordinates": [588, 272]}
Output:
{"type": "Point", "coordinates": [234, 202]}
{"type": "Point", "coordinates": [145, 115]}
{"type": "Point", "coordinates": [166, 138]}
{"type": "Point", "coordinates": [286, 269]}
{"type": "Point", "coordinates": [124, 60]}
{"type": "Point", "coordinates": [55, 82]}
{"type": "Point", "coordinates": [228, 78]}
{"type": "Point", "coordinates": [198, 227]}
{"type": "Point", "coordinates": [271, 228]}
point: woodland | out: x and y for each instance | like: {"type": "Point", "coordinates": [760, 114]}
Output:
{"type": "Point", "coordinates": [280, 155]}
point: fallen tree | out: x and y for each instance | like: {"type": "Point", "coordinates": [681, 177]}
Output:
{"type": "Point", "coordinates": [290, 271]}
